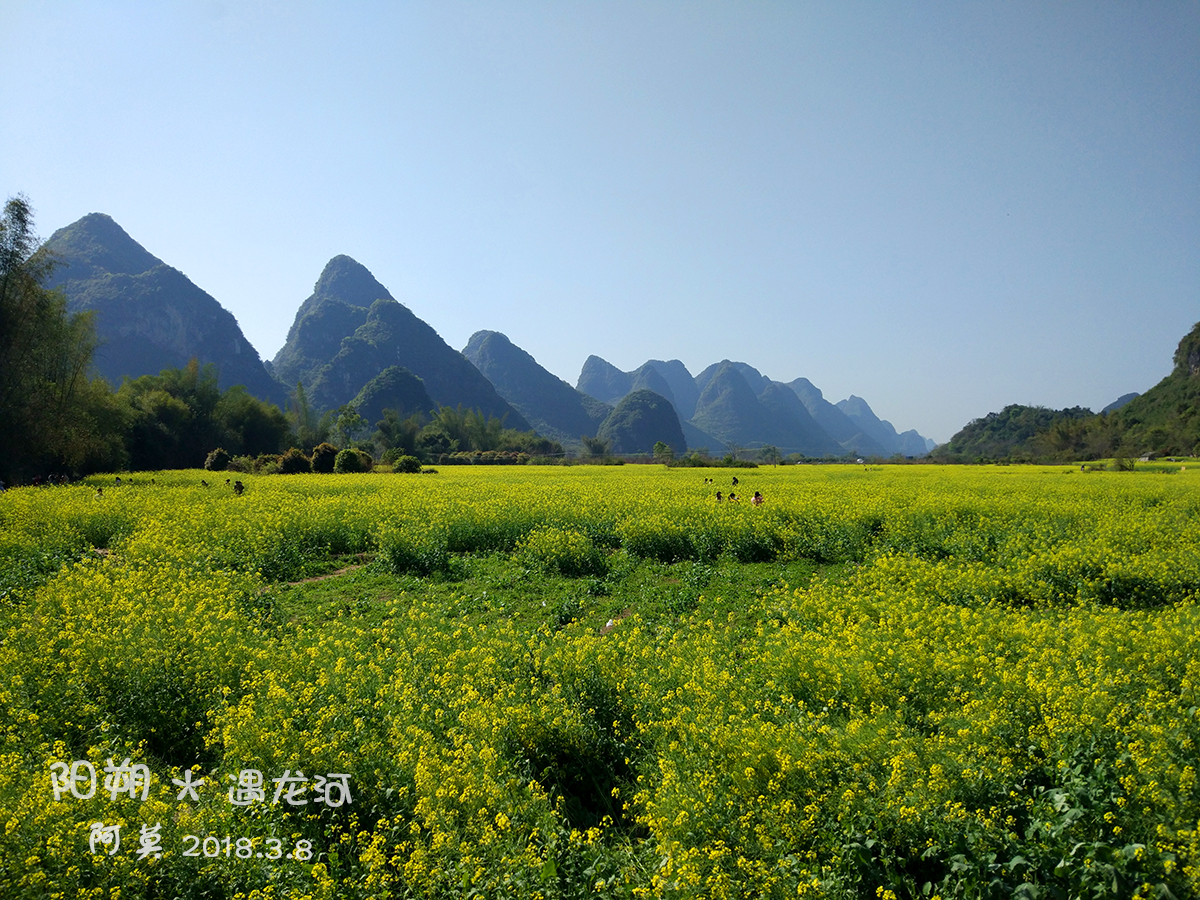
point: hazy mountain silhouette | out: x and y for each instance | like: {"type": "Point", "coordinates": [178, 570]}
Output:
{"type": "Point", "coordinates": [1120, 401]}
{"type": "Point", "coordinates": [752, 411]}
{"type": "Point", "coordinates": [554, 408]}
{"type": "Point", "coordinates": [907, 444]}
{"type": "Point", "coordinates": [836, 423]}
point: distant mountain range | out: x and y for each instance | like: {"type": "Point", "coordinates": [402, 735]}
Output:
{"type": "Point", "coordinates": [352, 342]}
{"type": "Point", "coordinates": [733, 404]}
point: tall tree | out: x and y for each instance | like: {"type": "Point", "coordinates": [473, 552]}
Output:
{"type": "Point", "coordinates": [305, 424]}
{"type": "Point", "coordinates": [348, 424]}
{"type": "Point", "coordinates": [394, 433]}
{"type": "Point", "coordinates": [45, 354]}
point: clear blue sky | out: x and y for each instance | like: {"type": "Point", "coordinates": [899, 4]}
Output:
{"type": "Point", "coordinates": [942, 208]}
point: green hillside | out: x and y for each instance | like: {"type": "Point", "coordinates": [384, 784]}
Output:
{"type": "Point", "coordinates": [640, 420]}
{"type": "Point", "coordinates": [1162, 421]}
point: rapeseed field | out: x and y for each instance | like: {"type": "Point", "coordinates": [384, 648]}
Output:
{"type": "Point", "coordinates": [903, 681]}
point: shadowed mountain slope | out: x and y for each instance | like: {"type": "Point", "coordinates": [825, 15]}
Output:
{"type": "Point", "coordinates": [604, 381]}
{"type": "Point", "coordinates": [149, 316]}
{"type": "Point", "coordinates": [684, 392]}
{"type": "Point", "coordinates": [335, 310]}
{"type": "Point", "coordinates": [647, 378]}
{"type": "Point", "coordinates": [836, 423]}
{"type": "Point", "coordinates": [908, 444]}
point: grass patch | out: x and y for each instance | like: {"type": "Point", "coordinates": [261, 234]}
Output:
{"type": "Point", "coordinates": [481, 589]}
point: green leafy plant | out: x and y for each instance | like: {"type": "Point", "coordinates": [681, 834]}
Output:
{"type": "Point", "coordinates": [407, 464]}
{"type": "Point", "coordinates": [324, 456]}
{"type": "Point", "coordinates": [294, 462]}
{"type": "Point", "coordinates": [217, 460]}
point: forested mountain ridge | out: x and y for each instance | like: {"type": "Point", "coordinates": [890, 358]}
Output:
{"type": "Point", "coordinates": [1014, 433]}
{"type": "Point", "coordinates": [1164, 420]}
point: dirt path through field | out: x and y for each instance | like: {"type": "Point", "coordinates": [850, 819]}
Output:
{"type": "Point", "coordinates": [327, 575]}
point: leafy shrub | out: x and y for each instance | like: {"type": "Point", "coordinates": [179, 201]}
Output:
{"type": "Point", "coordinates": [240, 464]}
{"type": "Point", "coordinates": [407, 464]}
{"type": "Point", "coordinates": [413, 550]}
{"type": "Point", "coordinates": [567, 552]}
{"type": "Point", "coordinates": [266, 464]}
{"type": "Point", "coordinates": [324, 456]}
{"type": "Point", "coordinates": [294, 462]}
{"type": "Point", "coordinates": [731, 462]}
{"type": "Point", "coordinates": [567, 611]}
{"type": "Point", "coordinates": [349, 461]}
{"type": "Point", "coordinates": [692, 461]}
{"type": "Point", "coordinates": [217, 460]}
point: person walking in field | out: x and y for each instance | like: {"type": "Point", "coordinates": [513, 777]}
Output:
{"type": "Point", "coordinates": [757, 499]}
{"type": "Point", "coordinates": [718, 496]}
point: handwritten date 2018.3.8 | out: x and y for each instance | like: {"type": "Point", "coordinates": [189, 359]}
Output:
{"type": "Point", "coordinates": [243, 848]}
